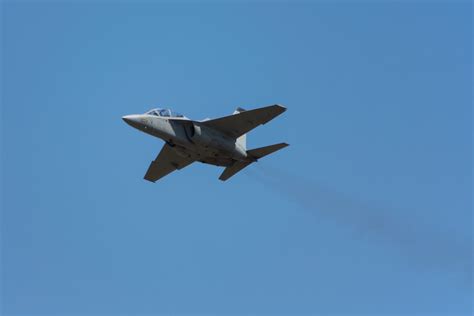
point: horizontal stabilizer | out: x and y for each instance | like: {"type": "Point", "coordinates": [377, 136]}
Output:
{"type": "Point", "coordinates": [254, 153]}
{"type": "Point", "coordinates": [264, 151]}
{"type": "Point", "coordinates": [236, 167]}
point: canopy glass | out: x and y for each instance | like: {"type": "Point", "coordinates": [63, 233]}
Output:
{"type": "Point", "coordinates": [163, 113]}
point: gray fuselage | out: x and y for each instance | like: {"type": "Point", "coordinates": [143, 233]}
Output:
{"type": "Point", "coordinates": [191, 139]}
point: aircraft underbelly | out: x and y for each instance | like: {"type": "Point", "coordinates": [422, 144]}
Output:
{"type": "Point", "coordinates": [214, 157]}
{"type": "Point", "coordinates": [207, 155]}
{"type": "Point", "coordinates": [204, 145]}
{"type": "Point", "coordinates": [221, 162]}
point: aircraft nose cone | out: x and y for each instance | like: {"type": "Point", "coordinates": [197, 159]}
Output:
{"type": "Point", "coordinates": [132, 120]}
{"type": "Point", "coordinates": [127, 119]}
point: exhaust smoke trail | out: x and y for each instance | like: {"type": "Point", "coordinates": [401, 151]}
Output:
{"type": "Point", "coordinates": [379, 224]}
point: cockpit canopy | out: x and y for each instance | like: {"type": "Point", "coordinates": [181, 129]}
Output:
{"type": "Point", "coordinates": [164, 113]}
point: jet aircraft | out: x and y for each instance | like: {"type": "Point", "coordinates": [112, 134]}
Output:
{"type": "Point", "coordinates": [219, 142]}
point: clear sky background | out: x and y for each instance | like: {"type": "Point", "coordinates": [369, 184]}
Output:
{"type": "Point", "coordinates": [368, 212]}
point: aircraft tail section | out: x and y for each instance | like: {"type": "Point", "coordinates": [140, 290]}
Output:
{"type": "Point", "coordinates": [236, 167]}
{"type": "Point", "coordinates": [242, 140]}
{"type": "Point", "coordinates": [256, 153]}
{"type": "Point", "coordinates": [239, 110]}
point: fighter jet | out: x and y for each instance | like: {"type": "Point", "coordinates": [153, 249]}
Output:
{"type": "Point", "coordinates": [219, 142]}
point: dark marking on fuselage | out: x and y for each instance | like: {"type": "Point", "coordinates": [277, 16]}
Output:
{"type": "Point", "coordinates": [186, 133]}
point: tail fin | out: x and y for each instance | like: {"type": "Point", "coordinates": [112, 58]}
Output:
{"type": "Point", "coordinates": [238, 110]}
{"type": "Point", "coordinates": [254, 153]}
{"type": "Point", "coordinates": [242, 140]}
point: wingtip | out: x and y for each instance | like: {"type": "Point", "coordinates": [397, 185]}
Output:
{"type": "Point", "coordinates": [149, 180]}
{"type": "Point", "coordinates": [282, 107]}
{"type": "Point", "coordinates": [223, 178]}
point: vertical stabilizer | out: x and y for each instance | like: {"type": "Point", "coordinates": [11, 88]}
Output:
{"type": "Point", "coordinates": [242, 140]}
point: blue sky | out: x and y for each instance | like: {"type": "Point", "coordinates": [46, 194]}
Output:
{"type": "Point", "coordinates": [368, 212]}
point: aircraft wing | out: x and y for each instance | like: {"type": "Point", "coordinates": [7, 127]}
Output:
{"type": "Point", "coordinates": [240, 123]}
{"type": "Point", "coordinates": [167, 161]}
